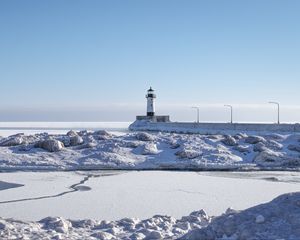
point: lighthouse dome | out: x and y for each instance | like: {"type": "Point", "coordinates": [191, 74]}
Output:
{"type": "Point", "coordinates": [150, 90]}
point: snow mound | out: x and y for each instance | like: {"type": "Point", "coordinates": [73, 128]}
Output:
{"type": "Point", "coordinates": [278, 219]}
{"type": "Point", "coordinates": [157, 227]}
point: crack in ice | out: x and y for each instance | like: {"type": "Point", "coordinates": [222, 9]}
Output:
{"type": "Point", "coordinates": [73, 188]}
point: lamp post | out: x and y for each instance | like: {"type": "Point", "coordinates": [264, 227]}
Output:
{"type": "Point", "coordinates": [231, 110]}
{"type": "Point", "coordinates": [278, 111]}
{"type": "Point", "coordinates": [197, 108]}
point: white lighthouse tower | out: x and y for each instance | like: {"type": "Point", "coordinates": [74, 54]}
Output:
{"type": "Point", "coordinates": [150, 102]}
{"type": "Point", "coordinates": [151, 116]}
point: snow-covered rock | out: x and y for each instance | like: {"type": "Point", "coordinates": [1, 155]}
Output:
{"type": "Point", "coordinates": [229, 141]}
{"type": "Point", "coordinates": [12, 141]}
{"type": "Point", "coordinates": [76, 140]}
{"type": "Point", "coordinates": [72, 133]}
{"type": "Point", "coordinates": [294, 147]}
{"type": "Point", "coordinates": [254, 139]}
{"type": "Point", "coordinates": [259, 147]}
{"type": "Point", "coordinates": [278, 219]}
{"type": "Point", "coordinates": [57, 224]}
{"type": "Point", "coordinates": [149, 149]}
{"type": "Point", "coordinates": [50, 145]}
{"type": "Point", "coordinates": [143, 136]}
{"type": "Point", "coordinates": [269, 158]}
{"type": "Point", "coordinates": [188, 153]}
{"type": "Point", "coordinates": [86, 149]}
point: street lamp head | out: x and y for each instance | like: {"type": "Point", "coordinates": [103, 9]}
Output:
{"type": "Point", "coordinates": [273, 103]}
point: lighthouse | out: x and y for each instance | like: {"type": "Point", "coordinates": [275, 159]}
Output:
{"type": "Point", "coordinates": [151, 116]}
{"type": "Point", "coordinates": [150, 102]}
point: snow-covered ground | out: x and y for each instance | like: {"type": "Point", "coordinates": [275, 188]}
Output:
{"type": "Point", "coordinates": [109, 196]}
{"type": "Point", "coordinates": [121, 199]}
{"type": "Point", "coordinates": [100, 149]}
{"type": "Point", "coordinates": [115, 195]}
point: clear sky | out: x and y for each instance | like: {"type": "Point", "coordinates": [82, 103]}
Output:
{"type": "Point", "coordinates": [94, 60]}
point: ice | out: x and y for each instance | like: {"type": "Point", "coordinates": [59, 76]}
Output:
{"type": "Point", "coordinates": [138, 194]}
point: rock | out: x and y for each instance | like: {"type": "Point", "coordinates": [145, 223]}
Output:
{"type": "Point", "coordinates": [131, 144]}
{"type": "Point", "coordinates": [239, 136]}
{"type": "Point", "coordinates": [294, 148]}
{"type": "Point", "coordinates": [76, 140]}
{"type": "Point", "coordinates": [242, 149]}
{"type": "Point", "coordinates": [102, 133]}
{"type": "Point", "coordinates": [259, 147]}
{"type": "Point", "coordinates": [149, 149]}
{"type": "Point", "coordinates": [254, 139]}
{"type": "Point", "coordinates": [86, 145]}
{"type": "Point", "coordinates": [154, 235]}
{"type": "Point", "coordinates": [72, 133]}
{"type": "Point", "coordinates": [173, 144]}
{"type": "Point", "coordinates": [12, 141]}
{"type": "Point", "coordinates": [57, 224]}
{"type": "Point", "coordinates": [274, 145]}
{"type": "Point", "coordinates": [269, 157]}
{"type": "Point", "coordinates": [259, 219]}
{"type": "Point", "coordinates": [50, 145]}
{"type": "Point", "coordinates": [142, 136]}
{"type": "Point", "coordinates": [229, 141]}
{"type": "Point", "coordinates": [137, 236]}
{"type": "Point", "coordinates": [187, 153]}
{"type": "Point", "coordinates": [103, 236]}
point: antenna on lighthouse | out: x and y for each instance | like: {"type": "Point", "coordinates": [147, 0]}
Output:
{"type": "Point", "coordinates": [150, 102]}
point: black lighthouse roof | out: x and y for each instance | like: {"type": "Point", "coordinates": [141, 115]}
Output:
{"type": "Point", "coordinates": [150, 90]}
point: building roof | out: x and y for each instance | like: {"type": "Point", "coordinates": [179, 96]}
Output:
{"type": "Point", "coordinates": [150, 90]}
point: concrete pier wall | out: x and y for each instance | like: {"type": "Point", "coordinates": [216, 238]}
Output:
{"type": "Point", "coordinates": [213, 128]}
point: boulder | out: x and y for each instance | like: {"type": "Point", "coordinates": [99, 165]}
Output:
{"type": "Point", "coordinates": [86, 145]}
{"type": "Point", "coordinates": [149, 149]}
{"type": "Point", "coordinates": [254, 139]}
{"type": "Point", "coordinates": [229, 141]}
{"type": "Point", "coordinates": [103, 235]}
{"type": "Point", "coordinates": [269, 158]}
{"type": "Point", "coordinates": [274, 145]}
{"type": "Point", "coordinates": [259, 147]}
{"type": "Point", "coordinates": [242, 149]}
{"type": "Point", "coordinates": [12, 141]}
{"type": "Point", "coordinates": [239, 136]}
{"type": "Point", "coordinates": [50, 145]}
{"type": "Point", "coordinates": [142, 136]}
{"type": "Point", "coordinates": [294, 148]}
{"type": "Point", "coordinates": [102, 133]}
{"type": "Point", "coordinates": [76, 140]}
{"type": "Point", "coordinates": [57, 224]}
{"type": "Point", "coordinates": [187, 153]}
{"type": "Point", "coordinates": [72, 133]}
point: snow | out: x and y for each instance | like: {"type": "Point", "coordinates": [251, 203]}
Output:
{"type": "Point", "coordinates": [79, 150]}
{"type": "Point", "coordinates": [110, 204]}
{"type": "Point", "coordinates": [278, 219]}
{"type": "Point", "coordinates": [110, 195]}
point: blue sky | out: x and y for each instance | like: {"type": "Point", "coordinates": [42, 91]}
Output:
{"type": "Point", "coordinates": [93, 60]}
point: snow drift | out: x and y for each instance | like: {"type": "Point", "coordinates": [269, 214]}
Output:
{"type": "Point", "coordinates": [278, 219]}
